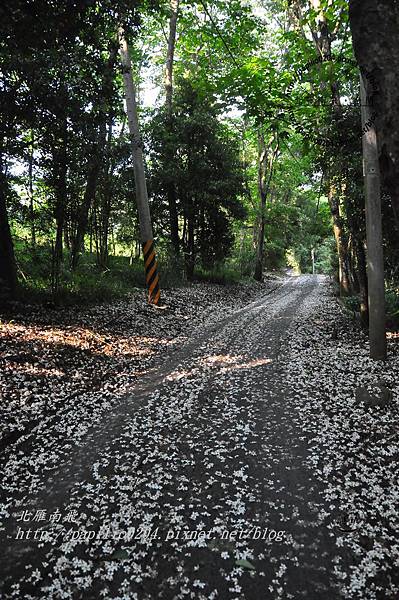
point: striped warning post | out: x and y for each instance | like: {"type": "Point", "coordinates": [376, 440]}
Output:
{"type": "Point", "coordinates": [151, 272]}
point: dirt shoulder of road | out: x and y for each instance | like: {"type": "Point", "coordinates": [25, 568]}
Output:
{"type": "Point", "coordinates": [348, 407]}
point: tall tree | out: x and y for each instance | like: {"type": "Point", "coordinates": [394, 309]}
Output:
{"type": "Point", "coordinates": [171, 188]}
{"type": "Point", "coordinates": [96, 152]}
{"type": "Point", "coordinates": [322, 38]}
{"type": "Point", "coordinates": [207, 175]}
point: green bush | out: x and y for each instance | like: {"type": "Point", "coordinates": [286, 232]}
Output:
{"type": "Point", "coordinates": [88, 284]}
{"type": "Point", "coordinates": [171, 269]}
{"type": "Point", "coordinates": [222, 274]}
{"type": "Point", "coordinates": [392, 302]}
{"type": "Point", "coordinates": [352, 303]}
{"type": "Point", "coordinates": [391, 306]}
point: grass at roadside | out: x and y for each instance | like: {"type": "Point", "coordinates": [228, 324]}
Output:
{"type": "Point", "coordinates": [91, 284]}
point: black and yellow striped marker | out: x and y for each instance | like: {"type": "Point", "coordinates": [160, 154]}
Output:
{"type": "Point", "coordinates": [151, 272]}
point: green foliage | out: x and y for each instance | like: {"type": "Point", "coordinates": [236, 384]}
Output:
{"type": "Point", "coordinates": [199, 155]}
{"type": "Point", "coordinates": [392, 303]}
{"type": "Point", "coordinates": [240, 68]}
{"type": "Point", "coordinates": [88, 284]}
{"type": "Point", "coordinates": [242, 260]}
{"type": "Point", "coordinates": [171, 267]}
{"type": "Point", "coordinates": [352, 303]}
{"type": "Point", "coordinates": [221, 274]}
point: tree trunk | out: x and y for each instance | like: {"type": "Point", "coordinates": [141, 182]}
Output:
{"type": "Point", "coordinates": [8, 271]}
{"type": "Point", "coordinates": [340, 240]}
{"type": "Point", "coordinates": [96, 232]}
{"type": "Point", "coordinates": [312, 256]}
{"type": "Point", "coordinates": [59, 218]}
{"type": "Point", "coordinates": [105, 205]}
{"type": "Point", "coordinates": [375, 260]}
{"type": "Point", "coordinates": [266, 159]}
{"type": "Point", "coordinates": [60, 188]}
{"type": "Point", "coordinates": [30, 194]}
{"type": "Point", "coordinates": [91, 232]}
{"type": "Point", "coordinates": [262, 172]}
{"type": "Point", "coordinates": [83, 214]}
{"type": "Point", "coordinates": [258, 273]}
{"type": "Point", "coordinates": [190, 256]}
{"type": "Point", "coordinates": [374, 25]}
{"type": "Point", "coordinates": [143, 208]}
{"type": "Point", "coordinates": [171, 188]}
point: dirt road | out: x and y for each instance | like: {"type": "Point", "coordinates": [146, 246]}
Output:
{"type": "Point", "coordinates": [196, 486]}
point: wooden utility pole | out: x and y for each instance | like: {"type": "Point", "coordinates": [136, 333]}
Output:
{"type": "Point", "coordinates": [375, 260]}
{"type": "Point", "coordinates": [146, 234]}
